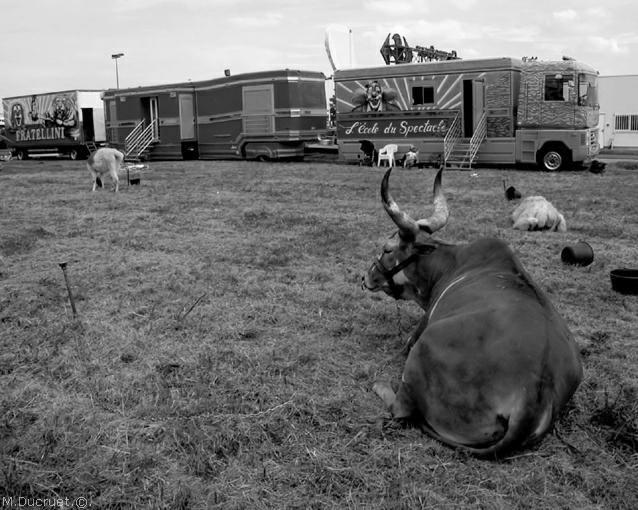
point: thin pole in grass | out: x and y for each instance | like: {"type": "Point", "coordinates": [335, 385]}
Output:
{"type": "Point", "coordinates": [68, 288]}
{"type": "Point", "coordinates": [182, 315]}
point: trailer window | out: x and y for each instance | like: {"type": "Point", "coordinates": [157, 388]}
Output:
{"type": "Point", "coordinates": [558, 87]}
{"type": "Point", "coordinates": [422, 95]}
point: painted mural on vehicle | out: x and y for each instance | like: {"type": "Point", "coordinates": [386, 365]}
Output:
{"type": "Point", "coordinates": [42, 117]}
{"type": "Point", "coordinates": [391, 96]}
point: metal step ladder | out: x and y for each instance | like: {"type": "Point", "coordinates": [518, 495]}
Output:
{"type": "Point", "coordinates": [139, 140]}
{"type": "Point", "coordinates": [459, 157]}
{"type": "Point", "coordinates": [90, 146]}
{"type": "Point", "coordinates": [460, 153]}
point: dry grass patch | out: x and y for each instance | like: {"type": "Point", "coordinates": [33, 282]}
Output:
{"type": "Point", "coordinates": [224, 352]}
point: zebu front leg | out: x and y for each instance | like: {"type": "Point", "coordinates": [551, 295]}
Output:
{"type": "Point", "coordinates": [398, 404]}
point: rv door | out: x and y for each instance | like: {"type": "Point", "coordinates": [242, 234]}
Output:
{"type": "Point", "coordinates": [98, 125]}
{"type": "Point", "coordinates": [478, 100]}
{"type": "Point", "coordinates": [606, 125]}
{"type": "Point", "coordinates": [114, 135]}
{"type": "Point", "coordinates": [154, 111]}
{"type": "Point", "coordinates": [150, 114]}
{"type": "Point", "coordinates": [473, 104]}
{"type": "Point", "coordinates": [186, 117]}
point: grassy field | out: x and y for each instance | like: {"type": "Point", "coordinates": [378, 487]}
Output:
{"type": "Point", "coordinates": [224, 353]}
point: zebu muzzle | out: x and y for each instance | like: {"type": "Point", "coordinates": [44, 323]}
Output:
{"type": "Point", "coordinates": [388, 284]}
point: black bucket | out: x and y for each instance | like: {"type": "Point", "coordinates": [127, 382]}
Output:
{"type": "Point", "coordinates": [579, 254]}
{"type": "Point", "coordinates": [512, 193]}
{"type": "Point", "coordinates": [624, 281]}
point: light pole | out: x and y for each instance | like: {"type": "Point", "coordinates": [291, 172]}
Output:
{"type": "Point", "coordinates": [115, 56]}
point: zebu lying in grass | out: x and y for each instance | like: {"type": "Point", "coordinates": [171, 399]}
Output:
{"type": "Point", "coordinates": [105, 161]}
{"type": "Point", "coordinates": [492, 362]}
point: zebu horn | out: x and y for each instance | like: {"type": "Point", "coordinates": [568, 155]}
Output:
{"type": "Point", "coordinates": [406, 224]}
{"type": "Point", "coordinates": [441, 213]}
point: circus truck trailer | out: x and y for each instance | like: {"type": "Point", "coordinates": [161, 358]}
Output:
{"type": "Point", "coordinates": [260, 115]}
{"type": "Point", "coordinates": [497, 111]}
{"type": "Point", "coordinates": [69, 123]}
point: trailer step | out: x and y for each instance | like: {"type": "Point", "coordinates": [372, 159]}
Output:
{"type": "Point", "coordinates": [90, 147]}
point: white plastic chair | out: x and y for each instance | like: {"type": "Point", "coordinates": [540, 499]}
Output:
{"type": "Point", "coordinates": [387, 154]}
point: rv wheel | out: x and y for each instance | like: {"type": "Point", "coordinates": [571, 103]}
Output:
{"type": "Point", "coordinates": [553, 158]}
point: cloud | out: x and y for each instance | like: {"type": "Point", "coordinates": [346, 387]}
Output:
{"type": "Point", "coordinates": [451, 31]}
{"type": "Point", "coordinates": [597, 12]}
{"type": "Point", "coordinates": [608, 44]}
{"type": "Point", "coordinates": [399, 8]}
{"type": "Point", "coordinates": [464, 5]}
{"type": "Point", "coordinates": [126, 6]}
{"type": "Point", "coordinates": [268, 20]}
{"type": "Point", "coordinates": [566, 15]}
{"type": "Point", "coordinates": [141, 5]}
{"type": "Point", "coordinates": [440, 30]}
{"type": "Point", "coordinates": [522, 34]}
{"type": "Point", "coordinates": [472, 53]}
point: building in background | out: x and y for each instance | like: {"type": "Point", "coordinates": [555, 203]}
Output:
{"type": "Point", "coordinates": [618, 99]}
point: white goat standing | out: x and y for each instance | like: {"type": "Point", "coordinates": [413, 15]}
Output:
{"type": "Point", "coordinates": [105, 161]}
{"type": "Point", "coordinates": [536, 213]}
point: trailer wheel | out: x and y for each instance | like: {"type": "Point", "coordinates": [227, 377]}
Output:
{"type": "Point", "coordinates": [553, 158]}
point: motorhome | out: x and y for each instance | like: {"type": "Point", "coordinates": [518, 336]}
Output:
{"type": "Point", "coordinates": [69, 123]}
{"type": "Point", "coordinates": [496, 111]}
{"type": "Point", "coordinates": [260, 115]}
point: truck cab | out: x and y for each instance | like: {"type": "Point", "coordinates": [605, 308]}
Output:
{"type": "Point", "coordinates": [558, 114]}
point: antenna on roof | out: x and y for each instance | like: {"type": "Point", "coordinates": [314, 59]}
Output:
{"type": "Point", "coordinates": [400, 52]}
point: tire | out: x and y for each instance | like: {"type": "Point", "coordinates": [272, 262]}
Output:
{"type": "Point", "coordinates": [553, 158]}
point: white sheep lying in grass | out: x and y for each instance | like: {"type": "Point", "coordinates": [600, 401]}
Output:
{"type": "Point", "coordinates": [536, 213]}
{"type": "Point", "coordinates": [105, 161]}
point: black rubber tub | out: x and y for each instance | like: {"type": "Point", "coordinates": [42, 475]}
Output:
{"type": "Point", "coordinates": [624, 280]}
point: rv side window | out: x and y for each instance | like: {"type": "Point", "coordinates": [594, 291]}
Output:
{"type": "Point", "coordinates": [422, 95]}
{"type": "Point", "coordinates": [557, 87]}
{"type": "Point", "coordinates": [587, 90]}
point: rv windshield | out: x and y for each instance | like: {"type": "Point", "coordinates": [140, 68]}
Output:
{"type": "Point", "coordinates": [587, 90]}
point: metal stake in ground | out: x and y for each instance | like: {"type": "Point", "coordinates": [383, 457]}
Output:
{"type": "Point", "coordinates": [68, 288]}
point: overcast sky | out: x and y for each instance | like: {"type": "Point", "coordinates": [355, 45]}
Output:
{"type": "Point", "coordinates": [56, 45]}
